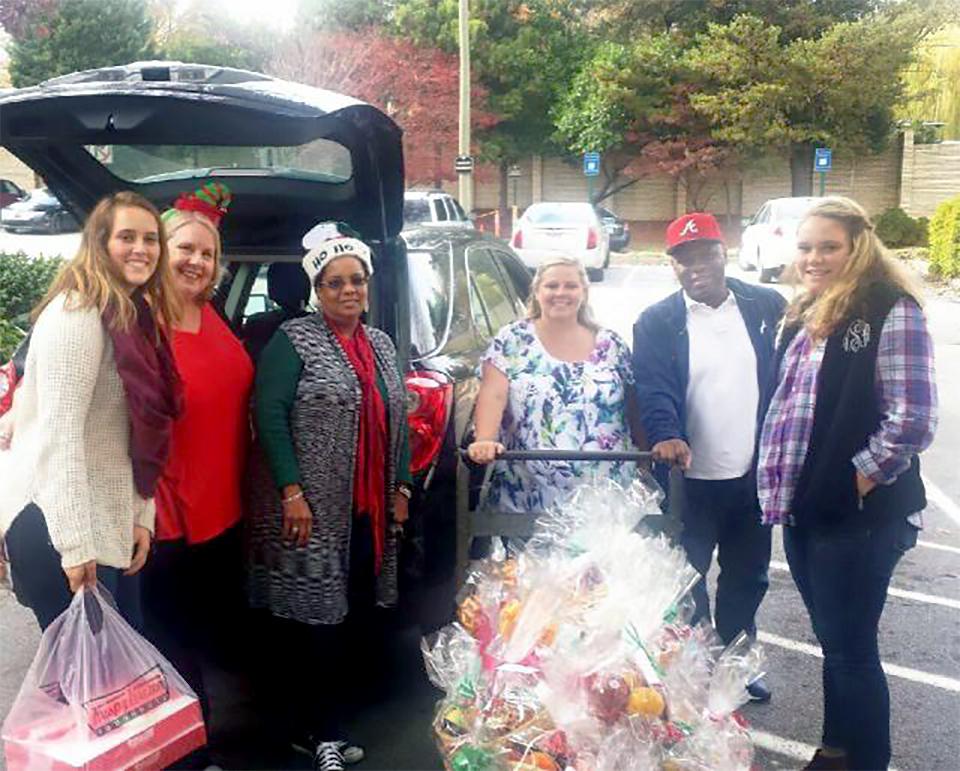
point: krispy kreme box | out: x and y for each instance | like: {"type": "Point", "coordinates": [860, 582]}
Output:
{"type": "Point", "coordinates": [143, 725]}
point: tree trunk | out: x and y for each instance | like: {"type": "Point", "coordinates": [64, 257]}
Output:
{"type": "Point", "coordinates": [801, 169]}
{"type": "Point", "coordinates": [502, 201]}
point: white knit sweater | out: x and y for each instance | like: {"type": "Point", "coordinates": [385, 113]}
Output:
{"type": "Point", "coordinates": [71, 432]}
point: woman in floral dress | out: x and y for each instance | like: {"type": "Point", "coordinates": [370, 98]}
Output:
{"type": "Point", "coordinates": [555, 380]}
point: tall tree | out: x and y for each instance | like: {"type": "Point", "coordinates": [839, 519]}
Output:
{"type": "Point", "coordinates": [353, 15]}
{"type": "Point", "coordinates": [16, 15]}
{"type": "Point", "coordinates": [81, 35]}
{"type": "Point", "coordinates": [524, 52]}
{"type": "Point", "coordinates": [631, 104]}
{"type": "Point", "coordinates": [838, 90]}
{"type": "Point", "coordinates": [416, 85]}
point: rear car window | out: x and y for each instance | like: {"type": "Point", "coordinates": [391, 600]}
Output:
{"type": "Point", "coordinates": [430, 279]}
{"type": "Point", "coordinates": [321, 159]}
{"type": "Point", "coordinates": [416, 210]}
{"type": "Point", "coordinates": [559, 215]}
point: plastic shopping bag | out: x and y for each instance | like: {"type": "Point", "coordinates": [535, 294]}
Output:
{"type": "Point", "coordinates": [99, 696]}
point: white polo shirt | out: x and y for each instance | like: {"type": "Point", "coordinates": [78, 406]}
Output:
{"type": "Point", "coordinates": [722, 394]}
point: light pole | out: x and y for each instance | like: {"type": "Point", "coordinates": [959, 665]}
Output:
{"type": "Point", "coordinates": [465, 176]}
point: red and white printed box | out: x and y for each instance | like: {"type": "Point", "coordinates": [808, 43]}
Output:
{"type": "Point", "coordinates": [142, 726]}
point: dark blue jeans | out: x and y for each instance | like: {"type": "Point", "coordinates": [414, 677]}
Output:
{"type": "Point", "coordinates": [39, 582]}
{"type": "Point", "coordinates": [843, 578]}
{"type": "Point", "coordinates": [724, 514]}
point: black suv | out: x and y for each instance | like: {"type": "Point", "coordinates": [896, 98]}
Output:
{"type": "Point", "coordinates": [293, 156]}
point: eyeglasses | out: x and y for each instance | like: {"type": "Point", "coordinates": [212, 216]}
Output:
{"type": "Point", "coordinates": [337, 284]}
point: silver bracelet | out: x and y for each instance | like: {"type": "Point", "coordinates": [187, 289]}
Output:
{"type": "Point", "coordinates": [292, 498]}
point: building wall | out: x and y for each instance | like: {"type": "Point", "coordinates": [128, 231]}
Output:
{"type": "Point", "coordinates": [11, 168]}
{"type": "Point", "coordinates": [931, 175]}
{"type": "Point", "coordinates": [915, 177]}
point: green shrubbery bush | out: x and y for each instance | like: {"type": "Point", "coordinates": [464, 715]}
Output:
{"type": "Point", "coordinates": [23, 281]}
{"type": "Point", "coordinates": [898, 229]}
{"type": "Point", "coordinates": [945, 239]}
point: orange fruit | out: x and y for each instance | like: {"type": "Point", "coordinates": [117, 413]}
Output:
{"type": "Point", "coordinates": [646, 701]}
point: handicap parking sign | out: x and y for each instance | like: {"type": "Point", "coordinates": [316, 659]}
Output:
{"type": "Point", "coordinates": [822, 159]}
{"type": "Point", "coordinates": [591, 164]}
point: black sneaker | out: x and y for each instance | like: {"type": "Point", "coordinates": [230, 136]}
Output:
{"type": "Point", "coordinates": [758, 690]}
{"type": "Point", "coordinates": [307, 745]}
{"type": "Point", "coordinates": [328, 757]}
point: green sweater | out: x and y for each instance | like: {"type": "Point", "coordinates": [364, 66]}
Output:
{"type": "Point", "coordinates": [278, 373]}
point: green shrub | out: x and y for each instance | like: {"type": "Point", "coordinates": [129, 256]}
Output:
{"type": "Point", "coordinates": [945, 239]}
{"type": "Point", "coordinates": [23, 281]}
{"type": "Point", "coordinates": [898, 229]}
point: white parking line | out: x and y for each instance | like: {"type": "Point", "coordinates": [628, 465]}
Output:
{"type": "Point", "coordinates": [894, 670]}
{"type": "Point", "coordinates": [942, 500]}
{"type": "Point", "coordinates": [786, 747]}
{"type": "Point", "coordinates": [904, 594]}
{"type": "Point", "coordinates": [939, 546]}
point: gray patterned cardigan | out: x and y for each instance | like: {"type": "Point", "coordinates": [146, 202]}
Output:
{"type": "Point", "coordinates": [310, 584]}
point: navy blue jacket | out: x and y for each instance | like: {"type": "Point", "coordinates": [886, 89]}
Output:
{"type": "Point", "coordinates": [661, 357]}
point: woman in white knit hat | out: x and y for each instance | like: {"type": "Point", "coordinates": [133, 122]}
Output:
{"type": "Point", "coordinates": [331, 419]}
{"type": "Point", "coordinates": [92, 417]}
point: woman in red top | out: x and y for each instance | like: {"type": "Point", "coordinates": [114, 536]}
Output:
{"type": "Point", "coordinates": [194, 589]}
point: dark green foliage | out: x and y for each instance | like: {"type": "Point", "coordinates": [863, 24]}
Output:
{"type": "Point", "coordinates": [898, 229]}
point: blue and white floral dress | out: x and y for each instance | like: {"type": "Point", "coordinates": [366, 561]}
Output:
{"type": "Point", "coordinates": [555, 404]}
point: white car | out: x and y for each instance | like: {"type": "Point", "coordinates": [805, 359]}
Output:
{"type": "Point", "coordinates": [769, 240]}
{"type": "Point", "coordinates": [573, 229]}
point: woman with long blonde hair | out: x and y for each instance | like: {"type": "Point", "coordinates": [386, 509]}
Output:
{"type": "Point", "coordinates": [554, 380]}
{"type": "Point", "coordinates": [93, 416]}
{"type": "Point", "coordinates": [855, 405]}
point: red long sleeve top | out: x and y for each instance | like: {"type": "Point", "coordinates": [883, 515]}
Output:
{"type": "Point", "coordinates": [199, 495]}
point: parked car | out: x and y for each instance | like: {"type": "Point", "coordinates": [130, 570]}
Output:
{"type": "Point", "coordinates": [10, 192]}
{"type": "Point", "coordinates": [39, 212]}
{"type": "Point", "coordinates": [294, 155]}
{"type": "Point", "coordinates": [433, 208]}
{"type": "Point", "coordinates": [617, 229]}
{"type": "Point", "coordinates": [574, 229]}
{"type": "Point", "coordinates": [769, 237]}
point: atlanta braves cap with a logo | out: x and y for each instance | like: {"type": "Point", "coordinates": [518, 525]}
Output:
{"type": "Point", "coordinates": [696, 226]}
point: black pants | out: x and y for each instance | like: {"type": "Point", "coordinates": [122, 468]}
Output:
{"type": "Point", "coordinates": [724, 514]}
{"type": "Point", "coordinates": [311, 670]}
{"type": "Point", "coordinates": [39, 582]}
{"type": "Point", "coordinates": [193, 604]}
{"type": "Point", "coordinates": [843, 579]}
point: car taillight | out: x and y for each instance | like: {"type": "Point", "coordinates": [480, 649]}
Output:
{"type": "Point", "coordinates": [518, 240]}
{"type": "Point", "coordinates": [8, 383]}
{"type": "Point", "coordinates": [592, 238]}
{"type": "Point", "coordinates": [429, 399]}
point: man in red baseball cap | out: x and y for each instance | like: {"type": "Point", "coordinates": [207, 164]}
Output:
{"type": "Point", "coordinates": [704, 364]}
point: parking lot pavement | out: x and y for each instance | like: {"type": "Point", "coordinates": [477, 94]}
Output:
{"type": "Point", "coordinates": [38, 245]}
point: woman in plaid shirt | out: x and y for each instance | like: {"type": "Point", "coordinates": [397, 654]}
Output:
{"type": "Point", "coordinates": [855, 404]}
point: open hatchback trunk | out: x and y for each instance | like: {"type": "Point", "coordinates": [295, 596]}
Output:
{"type": "Point", "coordinates": [293, 155]}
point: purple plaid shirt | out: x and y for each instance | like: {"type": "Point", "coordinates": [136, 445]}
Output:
{"type": "Point", "coordinates": [907, 392]}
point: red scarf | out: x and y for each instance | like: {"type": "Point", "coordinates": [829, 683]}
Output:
{"type": "Point", "coordinates": [369, 484]}
{"type": "Point", "coordinates": [153, 390]}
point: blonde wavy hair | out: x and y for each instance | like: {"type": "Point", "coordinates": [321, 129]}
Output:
{"type": "Point", "coordinates": [92, 282]}
{"type": "Point", "coordinates": [584, 314]}
{"type": "Point", "coordinates": [174, 219]}
{"type": "Point", "coordinates": [869, 263]}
